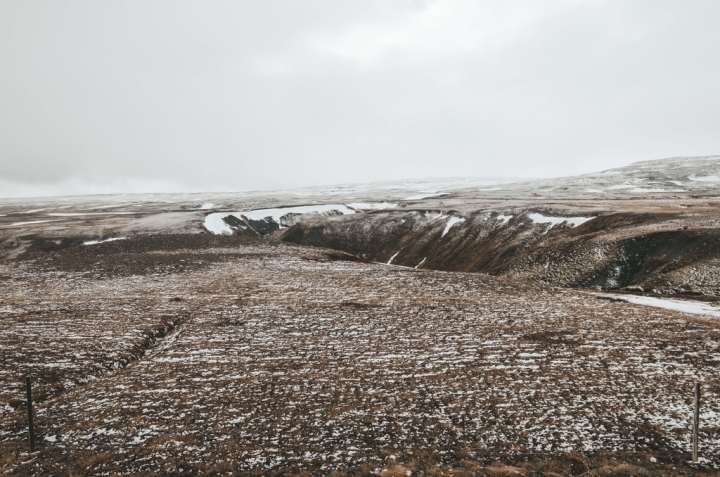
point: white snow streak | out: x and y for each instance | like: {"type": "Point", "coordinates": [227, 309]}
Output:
{"type": "Point", "coordinates": [451, 222]}
{"type": "Point", "coordinates": [30, 222]}
{"type": "Point", "coordinates": [393, 257]}
{"type": "Point", "coordinates": [95, 242]}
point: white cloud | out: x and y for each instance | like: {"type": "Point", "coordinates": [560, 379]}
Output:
{"type": "Point", "coordinates": [443, 27]}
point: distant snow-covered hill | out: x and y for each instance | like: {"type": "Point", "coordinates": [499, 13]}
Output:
{"type": "Point", "coordinates": [677, 174]}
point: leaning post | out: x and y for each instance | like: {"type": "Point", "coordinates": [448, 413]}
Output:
{"type": "Point", "coordinates": [696, 423]}
{"type": "Point", "coordinates": [31, 431]}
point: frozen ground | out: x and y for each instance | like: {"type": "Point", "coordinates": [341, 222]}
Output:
{"type": "Point", "coordinates": [158, 348]}
{"type": "Point", "coordinates": [274, 359]}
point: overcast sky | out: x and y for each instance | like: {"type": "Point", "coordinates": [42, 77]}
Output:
{"type": "Point", "coordinates": [102, 96]}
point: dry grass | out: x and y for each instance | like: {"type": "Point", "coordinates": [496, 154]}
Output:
{"type": "Point", "coordinates": [285, 362]}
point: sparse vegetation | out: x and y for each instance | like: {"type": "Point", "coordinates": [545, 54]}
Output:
{"type": "Point", "coordinates": [283, 360]}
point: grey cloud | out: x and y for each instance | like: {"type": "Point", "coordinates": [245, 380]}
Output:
{"type": "Point", "coordinates": [273, 94]}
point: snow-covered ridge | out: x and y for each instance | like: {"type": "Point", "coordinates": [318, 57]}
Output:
{"type": "Point", "coordinates": [216, 224]}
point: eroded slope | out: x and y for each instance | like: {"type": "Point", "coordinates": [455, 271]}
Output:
{"type": "Point", "coordinates": [665, 252]}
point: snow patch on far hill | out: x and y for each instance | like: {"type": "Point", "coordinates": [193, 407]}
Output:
{"type": "Point", "coordinates": [425, 196]}
{"type": "Point", "coordinates": [371, 205]}
{"type": "Point", "coordinates": [642, 190]}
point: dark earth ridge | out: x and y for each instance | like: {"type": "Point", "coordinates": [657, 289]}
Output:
{"type": "Point", "coordinates": [612, 251]}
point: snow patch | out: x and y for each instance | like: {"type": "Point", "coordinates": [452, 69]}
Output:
{"type": "Point", "coordinates": [450, 223]}
{"type": "Point", "coordinates": [639, 189]}
{"type": "Point", "coordinates": [572, 221]}
{"type": "Point", "coordinates": [676, 305]}
{"type": "Point", "coordinates": [424, 196]}
{"type": "Point", "coordinates": [371, 205]}
{"type": "Point", "coordinates": [504, 218]}
{"type": "Point", "coordinates": [95, 242]}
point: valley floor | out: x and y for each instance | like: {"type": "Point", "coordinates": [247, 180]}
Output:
{"type": "Point", "coordinates": [264, 359]}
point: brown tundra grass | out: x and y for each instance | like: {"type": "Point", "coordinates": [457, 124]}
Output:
{"type": "Point", "coordinates": [278, 360]}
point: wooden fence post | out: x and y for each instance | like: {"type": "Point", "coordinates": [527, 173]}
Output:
{"type": "Point", "coordinates": [31, 431]}
{"type": "Point", "coordinates": [696, 423]}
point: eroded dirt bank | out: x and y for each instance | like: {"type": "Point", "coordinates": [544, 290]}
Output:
{"type": "Point", "coordinates": [668, 253]}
